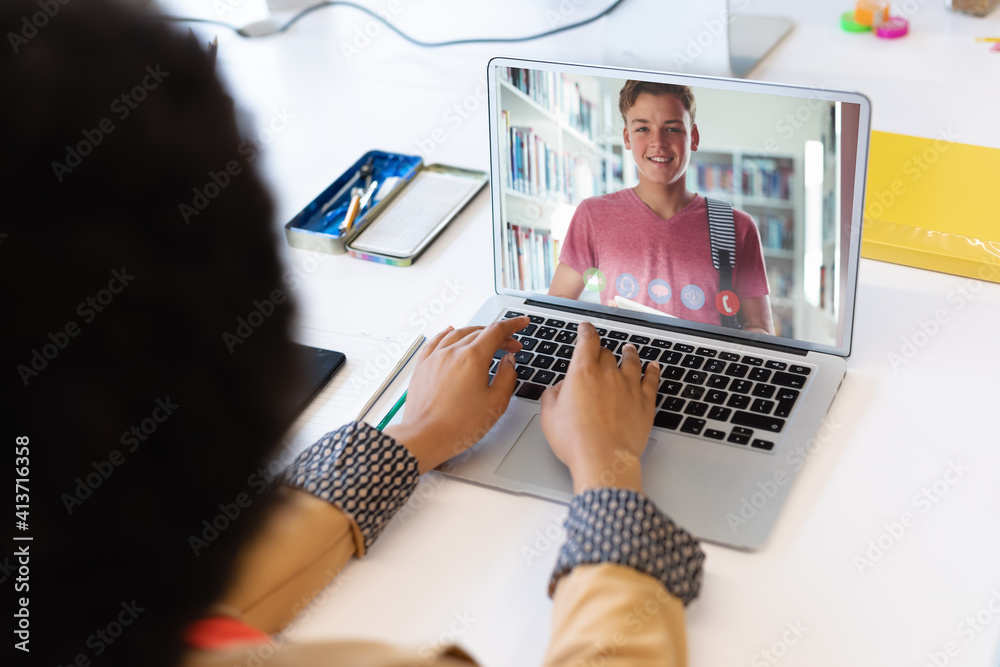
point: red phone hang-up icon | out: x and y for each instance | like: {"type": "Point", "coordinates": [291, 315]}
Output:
{"type": "Point", "coordinates": [727, 303]}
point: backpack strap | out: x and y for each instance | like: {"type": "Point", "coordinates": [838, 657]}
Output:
{"type": "Point", "coordinates": [722, 235]}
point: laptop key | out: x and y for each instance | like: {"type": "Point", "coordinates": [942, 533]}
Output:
{"type": "Point", "coordinates": [565, 337]}
{"type": "Point", "coordinates": [638, 340]}
{"type": "Point", "coordinates": [787, 395]}
{"type": "Point", "coordinates": [536, 319]}
{"type": "Point", "coordinates": [740, 436]}
{"type": "Point", "coordinates": [544, 377]}
{"type": "Point", "coordinates": [784, 409]}
{"type": "Point", "coordinates": [670, 357]}
{"type": "Point", "coordinates": [572, 326]}
{"type": "Point", "coordinates": [762, 405]}
{"type": "Point", "coordinates": [706, 351]}
{"type": "Point", "coordinates": [715, 435]}
{"type": "Point", "coordinates": [738, 401]}
{"type": "Point", "coordinates": [528, 343]}
{"type": "Point", "coordinates": [670, 388]}
{"type": "Point", "coordinates": [776, 365]}
{"type": "Point", "coordinates": [716, 396]}
{"type": "Point", "coordinates": [737, 370]}
{"type": "Point", "coordinates": [609, 344]}
{"type": "Point", "coordinates": [693, 391]}
{"type": "Point", "coordinates": [692, 361]}
{"type": "Point", "coordinates": [510, 313]}
{"type": "Point", "coordinates": [753, 361]}
{"type": "Point", "coordinates": [715, 366]}
{"type": "Point", "coordinates": [559, 378]}
{"type": "Point", "coordinates": [546, 333]}
{"type": "Point", "coordinates": [717, 381]}
{"type": "Point", "coordinates": [669, 420]}
{"type": "Point", "coordinates": [601, 332]}
{"type": "Point", "coordinates": [525, 372]}
{"type": "Point", "coordinates": [763, 390]}
{"type": "Point", "coordinates": [762, 444]}
{"type": "Point", "coordinates": [671, 372]}
{"type": "Point", "coordinates": [565, 351]}
{"type": "Point", "coordinates": [741, 386]}
{"type": "Point", "coordinates": [529, 330]}
{"type": "Point", "coordinates": [693, 425]}
{"type": "Point", "coordinates": [649, 353]}
{"type": "Point", "coordinates": [801, 370]}
{"type": "Point", "coordinates": [542, 361]}
{"type": "Point", "coordinates": [561, 366]}
{"type": "Point", "coordinates": [684, 347]}
{"type": "Point", "coordinates": [788, 380]}
{"type": "Point", "coordinates": [695, 377]}
{"type": "Point", "coordinates": [761, 422]}
{"type": "Point", "coordinates": [618, 335]}
{"type": "Point", "coordinates": [523, 357]}
{"type": "Point", "coordinates": [696, 408]}
{"type": "Point", "coordinates": [759, 375]}
{"type": "Point", "coordinates": [530, 391]}
{"type": "Point", "coordinates": [674, 404]}
{"type": "Point", "coordinates": [493, 366]}
{"type": "Point", "coordinates": [660, 343]}
{"type": "Point", "coordinates": [547, 347]}
{"type": "Point", "coordinates": [719, 414]}
{"type": "Point", "coordinates": [729, 356]}
{"type": "Point", "coordinates": [558, 324]}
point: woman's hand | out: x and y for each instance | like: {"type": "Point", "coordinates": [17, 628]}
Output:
{"type": "Point", "coordinates": [598, 419]}
{"type": "Point", "coordinates": [450, 403]}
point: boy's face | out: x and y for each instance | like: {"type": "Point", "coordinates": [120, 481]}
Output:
{"type": "Point", "coordinates": [659, 133]}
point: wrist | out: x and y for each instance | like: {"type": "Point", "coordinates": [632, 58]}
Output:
{"type": "Point", "coordinates": [622, 470]}
{"type": "Point", "coordinates": [414, 438]}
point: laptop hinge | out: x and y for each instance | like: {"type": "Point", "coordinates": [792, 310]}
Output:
{"type": "Point", "coordinates": [774, 347]}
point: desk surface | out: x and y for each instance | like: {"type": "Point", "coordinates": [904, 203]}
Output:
{"type": "Point", "coordinates": [471, 564]}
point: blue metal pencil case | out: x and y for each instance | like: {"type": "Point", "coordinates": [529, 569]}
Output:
{"type": "Point", "coordinates": [368, 186]}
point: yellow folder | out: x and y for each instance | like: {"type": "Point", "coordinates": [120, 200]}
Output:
{"type": "Point", "coordinates": [933, 204]}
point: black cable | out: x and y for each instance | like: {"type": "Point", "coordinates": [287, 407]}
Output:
{"type": "Point", "coordinates": [344, 3]}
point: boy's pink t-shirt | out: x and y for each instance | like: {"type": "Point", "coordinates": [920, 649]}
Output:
{"type": "Point", "coordinates": [664, 264]}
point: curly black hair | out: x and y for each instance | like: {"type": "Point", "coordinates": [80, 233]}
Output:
{"type": "Point", "coordinates": [144, 425]}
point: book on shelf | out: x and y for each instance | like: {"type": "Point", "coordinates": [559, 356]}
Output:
{"type": "Point", "coordinates": [766, 178]}
{"type": "Point", "coordinates": [538, 170]}
{"type": "Point", "coordinates": [711, 177]}
{"type": "Point", "coordinates": [554, 92]}
{"type": "Point", "coordinates": [532, 255]}
{"type": "Point", "coordinates": [776, 231]}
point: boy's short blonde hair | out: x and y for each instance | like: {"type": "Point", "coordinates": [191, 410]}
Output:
{"type": "Point", "coordinates": [632, 89]}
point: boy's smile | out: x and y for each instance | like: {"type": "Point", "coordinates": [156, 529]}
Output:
{"type": "Point", "coordinates": [661, 137]}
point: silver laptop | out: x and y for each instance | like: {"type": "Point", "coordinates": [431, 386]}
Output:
{"type": "Point", "coordinates": [752, 350]}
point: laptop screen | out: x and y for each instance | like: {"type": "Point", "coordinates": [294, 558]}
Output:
{"type": "Point", "coordinates": [717, 205]}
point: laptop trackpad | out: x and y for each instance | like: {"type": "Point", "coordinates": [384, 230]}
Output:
{"type": "Point", "coordinates": [531, 460]}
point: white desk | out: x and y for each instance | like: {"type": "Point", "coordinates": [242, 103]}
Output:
{"type": "Point", "coordinates": [459, 556]}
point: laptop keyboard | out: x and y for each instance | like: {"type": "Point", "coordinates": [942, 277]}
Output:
{"type": "Point", "coordinates": [717, 394]}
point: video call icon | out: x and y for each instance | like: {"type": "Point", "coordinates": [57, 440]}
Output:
{"type": "Point", "coordinates": [659, 291]}
{"type": "Point", "coordinates": [692, 297]}
{"type": "Point", "coordinates": [594, 280]}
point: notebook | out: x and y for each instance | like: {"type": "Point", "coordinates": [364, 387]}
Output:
{"type": "Point", "coordinates": [748, 372]}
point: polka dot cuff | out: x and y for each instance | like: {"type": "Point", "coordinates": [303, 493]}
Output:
{"type": "Point", "coordinates": [625, 527]}
{"type": "Point", "coordinates": [365, 473]}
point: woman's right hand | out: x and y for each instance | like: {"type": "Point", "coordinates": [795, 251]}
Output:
{"type": "Point", "coordinates": [598, 419]}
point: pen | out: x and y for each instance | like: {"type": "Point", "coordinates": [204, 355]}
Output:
{"type": "Point", "coordinates": [392, 413]}
{"type": "Point", "coordinates": [988, 39]}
